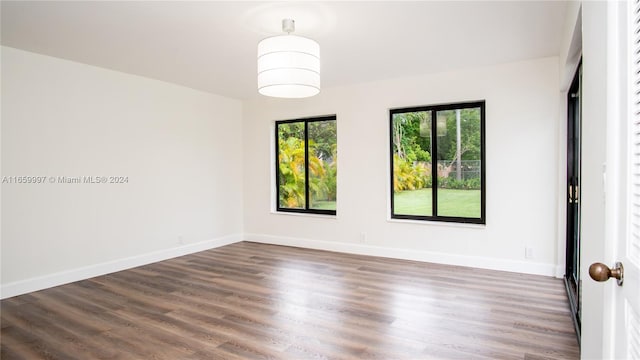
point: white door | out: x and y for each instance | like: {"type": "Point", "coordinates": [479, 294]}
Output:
{"type": "Point", "coordinates": [621, 332]}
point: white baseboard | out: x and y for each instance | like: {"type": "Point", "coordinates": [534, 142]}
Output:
{"type": "Point", "coordinates": [560, 269]}
{"type": "Point", "coordinates": [69, 276]}
{"type": "Point", "coordinates": [525, 267]}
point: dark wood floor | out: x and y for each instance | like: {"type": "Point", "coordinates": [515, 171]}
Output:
{"type": "Point", "coordinates": [255, 301]}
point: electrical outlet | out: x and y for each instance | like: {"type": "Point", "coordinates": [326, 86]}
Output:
{"type": "Point", "coordinates": [363, 237]}
{"type": "Point", "coordinates": [180, 239]}
{"type": "Point", "coordinates": [528, 253]}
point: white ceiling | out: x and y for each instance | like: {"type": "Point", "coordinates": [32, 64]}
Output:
{"type": "Point", "coordinates": [211, 46]}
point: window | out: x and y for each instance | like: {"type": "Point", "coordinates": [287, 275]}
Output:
{"type": "Point", "coordinates": [437, 163]}
{"type": "Point", "coordinates": [306, 165]}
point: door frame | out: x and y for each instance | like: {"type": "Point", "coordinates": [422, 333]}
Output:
{"type": "Point", "coordinates": [595, 29]}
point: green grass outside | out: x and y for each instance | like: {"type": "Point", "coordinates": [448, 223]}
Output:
{"type": "Point", "coordinates": [324, 205]}
{"type": "Point", "coordinates": [460, 203]}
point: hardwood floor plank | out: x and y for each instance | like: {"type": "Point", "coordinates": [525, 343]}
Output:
{"type": "Point", "coordinates": [257, 301]}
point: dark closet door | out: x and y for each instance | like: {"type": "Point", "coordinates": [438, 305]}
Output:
{"type": "Point", "coordinates": [572, 272]}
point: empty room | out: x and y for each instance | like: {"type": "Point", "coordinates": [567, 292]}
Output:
{"type": "Point", "coordinates": [320, 180]}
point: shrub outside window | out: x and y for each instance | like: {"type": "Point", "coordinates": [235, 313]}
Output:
{"type": "Point", "coordinates": [438, 162]}
{"type": "Point", "coordinates": [306, 165]}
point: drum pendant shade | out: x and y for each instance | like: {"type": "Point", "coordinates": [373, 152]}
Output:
{"type": "Point", "coordinates": [288, 65]}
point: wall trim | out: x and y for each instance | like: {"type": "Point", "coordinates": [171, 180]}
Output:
{"type": "Point", "coordinates": [525, 267]}
{"type": "Point", "coordinates": [86, 272]}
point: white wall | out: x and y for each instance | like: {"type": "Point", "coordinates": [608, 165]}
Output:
{"type": "Point", "coordinates": [180, 148]}
{"type": "Point", "coordinates": [522, 171]}
{"type": "Point", "coordinates": [569, 59]}
{"type": "Point", "coordinates": [183, 153]}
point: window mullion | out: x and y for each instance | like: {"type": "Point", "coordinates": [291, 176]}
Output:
{"type": "Point", "coordinates": [306, 165]}
{"type": "Point", "coordinates": [434, 163]}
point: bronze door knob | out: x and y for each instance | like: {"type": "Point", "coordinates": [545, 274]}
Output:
{"type": "Point", "coordinates": [601, 272]}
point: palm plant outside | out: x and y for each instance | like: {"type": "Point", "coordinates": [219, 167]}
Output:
{"type": "Point", "coordinates": [322, 165]}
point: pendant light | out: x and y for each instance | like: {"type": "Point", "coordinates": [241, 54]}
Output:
{"type": "Point", "coordinates": [288, 65]}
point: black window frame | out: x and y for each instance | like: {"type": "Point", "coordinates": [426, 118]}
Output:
{"type": "Point", "coordinates": [306, 122]}
{"type": "Point", "coordinates": [434, 171]}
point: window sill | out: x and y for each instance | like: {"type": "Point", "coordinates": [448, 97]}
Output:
{"type": "Point", "coordinates": [319, 216]}
{"type": "Point", "coordinates": [439, 223]}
